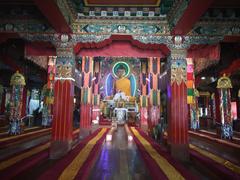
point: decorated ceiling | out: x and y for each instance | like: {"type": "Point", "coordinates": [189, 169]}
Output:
{"type": "Point", "coordinates": [122, 2]}
{"type": "Point", "coordinates": [114, 7]}
{"type": "Point", "coordinates": [146, 21]}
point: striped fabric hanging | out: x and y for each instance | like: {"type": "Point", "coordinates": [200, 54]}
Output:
{"type": "Point", "coordinates": [190, 81]}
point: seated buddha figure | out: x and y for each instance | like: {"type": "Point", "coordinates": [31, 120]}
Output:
{"type": "Point", "coordinates": [122, 84]}
{"type": "Point", "coordinates": [120, 81]}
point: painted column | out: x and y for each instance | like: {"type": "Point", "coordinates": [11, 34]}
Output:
{"type": "Point", "coordinates": [217, 112]}
{"type": "Point", "coordinates": [217, 103]}
{"type": "Point", "coordinates": [224, 85]}
{"type": "Point", "coordinates": [86, 92]}
{"type": "Point", "coordinates": [177, 105]}
{"type": "Point", "coordinates": [213, 108]}
{"type": "Point", "coordinates": [143, 96]}
{"type": "Point", "coordinates": [2, 99]}
{"type": "Point", "coordinates": [24, 102]}
{"type": "Point", "coordinates": [17, 82]}
{"type": "Point", "coordinates": [154, 92]}
{"type": "Point", "coordinates": [95, 91]}
{"type": "Point", "coordinates": [62, 126]}
{"type": "Point", "coordinates": [48, 94]}
{"type": "Point", "coordinates": [238, 105]}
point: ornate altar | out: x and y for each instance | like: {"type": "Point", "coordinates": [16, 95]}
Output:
{"type": "Point", "coordinates": [120, 109]}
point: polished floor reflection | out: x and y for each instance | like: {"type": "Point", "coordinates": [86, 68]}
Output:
{"type": "Point", "coordinates": [119, 159]}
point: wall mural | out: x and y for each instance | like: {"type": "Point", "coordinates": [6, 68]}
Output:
{"type": "Point", "coordinates": [110, 68]}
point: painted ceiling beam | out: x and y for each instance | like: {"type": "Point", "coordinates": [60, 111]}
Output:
{"type": "Point", "coordinates": [193, 12]}
{"type": "Point", "coordinates": [232, 39]}
{"type": "Point", "coordinates": [10, 63]}
{"type": "Point", "coordinates": [39, 49]}
{"type": "Point", "coordinates": [5, 36]}
{"type": "Point", "coordinates": [51, 11]}
{"type": "Point", "coordinates": [226, 4]}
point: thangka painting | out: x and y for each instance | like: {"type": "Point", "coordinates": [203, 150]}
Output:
{"type": "Point", "coordinates": [109, 75]}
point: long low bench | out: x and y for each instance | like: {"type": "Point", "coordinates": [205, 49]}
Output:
{"type": "Point", "coordinates": [219, 166]}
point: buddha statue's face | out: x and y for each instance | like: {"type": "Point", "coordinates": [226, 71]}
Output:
{"type": "Point", "coordinates": [121, 73]}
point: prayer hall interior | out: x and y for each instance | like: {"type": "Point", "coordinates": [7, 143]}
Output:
{"type": "Point", "coordinates": [119, 89]}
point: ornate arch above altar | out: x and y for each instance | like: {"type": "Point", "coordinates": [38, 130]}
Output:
{"type": "Point", "coordinates": [141, 45]}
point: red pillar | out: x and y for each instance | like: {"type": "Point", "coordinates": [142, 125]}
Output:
{"type": "Point", "coordinates": [177, 107]}
{"type": "Point", "coordinates": [238, 105]}
{"type": "Point", "coordinates": [62, 127]}
{"type": "Point", "coordinates": [2, 110]}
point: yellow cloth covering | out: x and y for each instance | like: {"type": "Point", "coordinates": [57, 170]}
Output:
{"type": "Point", "coordinates": [124, 85]}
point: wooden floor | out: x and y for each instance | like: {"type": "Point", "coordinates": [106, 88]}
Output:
{"type": "Point", "coordinates": [119, 160]}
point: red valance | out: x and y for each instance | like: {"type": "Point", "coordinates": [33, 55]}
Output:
{"type": "Point", "coordinates": [121, 45]}
{"type": "Point", "coordinates": [120, 48]}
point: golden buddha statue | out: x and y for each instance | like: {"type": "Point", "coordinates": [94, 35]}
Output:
{"type": "Point", "coordinates": [122, 84]}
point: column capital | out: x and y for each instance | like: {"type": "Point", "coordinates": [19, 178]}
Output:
{"type": "Point", "coordinates": [63, 40]}
{"type": "Point", "coordinates": [57, 39]}
{"type": "Point", "coordinates": [177, 59]}
{"type": "Point", "coordinates": [64, 44]}
{"type": "Point", "coordinates": [178, 47]}
{"type": "Point", "coordinates": [65, 57]}
{"type": "Point", "coordinates": [178, 70]}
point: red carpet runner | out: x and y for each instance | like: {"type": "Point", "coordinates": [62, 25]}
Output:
{"type": "Point", "coordinates": [19, 162]}
{"type": "Point", "coordinates": [77, 164]}
{"type": "Point", "coordinates": [160, 164]}
{"type": "Point", "coordinates": [222, 167]}
{"type": "Point", "coordinates": [7, 141]}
